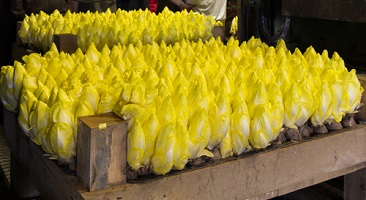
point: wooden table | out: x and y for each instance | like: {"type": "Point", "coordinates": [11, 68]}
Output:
{"type": "Point", "coordinates": [257, 175]}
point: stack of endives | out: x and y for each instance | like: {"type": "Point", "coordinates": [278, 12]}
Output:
{"type": "Point", "coordinates": [122, 27]}
{"type": "Point", "coordinates": [180, 100]}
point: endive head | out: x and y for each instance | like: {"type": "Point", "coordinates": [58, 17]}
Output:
{"type": "Point", "coordinates": [39, 118]}
{"type": "Point", "coordinates": [27, 104]}
{"type": "Point", "coordinates": [62, 141]}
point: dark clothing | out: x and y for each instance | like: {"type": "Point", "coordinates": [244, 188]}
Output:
{"type": "Point", "coordinates": [133, 4]}
{"type": "Point", "coordinates": [96, 5]}
{"type": "Point", "coordinates": [22, 7]}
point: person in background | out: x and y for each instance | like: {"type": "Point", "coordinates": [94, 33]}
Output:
{"type": "Point", "coordinates": [153, 4]}
{"type": "Point", "coordinates": [20, 8]}
{"type": "Point", "coordinates": [182, 5]}
{"type": "Point", "coordinates": [94, 5]}
{"type": "Point", "coordinates": [133, 4]}
{"type": "Point", "coordinates": [215, 8]}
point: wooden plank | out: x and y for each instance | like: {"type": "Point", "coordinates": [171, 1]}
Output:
{"type": "Point", "coordinates": [353, 11]}
{"type": "Point", "coordinates": [48, 178]}
{"type": "Point", "coordinates": [21, 184]}
{"type": "Point", "coordinates": [101, 152]}
{"type": "Point", "coordinates": [262, 175]}
{"type": "Point", "coordinates": [355, 185]}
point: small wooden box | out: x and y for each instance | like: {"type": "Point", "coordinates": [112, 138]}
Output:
{"type": "Point", "coordinates": [67, 43]}
{"type": "Point", "coordinates": [101, 152]}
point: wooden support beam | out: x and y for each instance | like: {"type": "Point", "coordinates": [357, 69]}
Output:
{"type": "Point", "coordinates": [355, 185]}
{"type": "Point", "coordinates": [21, 184]}
{"type": "Point", "coordinates": [101, 151]}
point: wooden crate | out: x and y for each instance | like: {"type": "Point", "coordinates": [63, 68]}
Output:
{"type": "Point", "coordinates": [257, 175]}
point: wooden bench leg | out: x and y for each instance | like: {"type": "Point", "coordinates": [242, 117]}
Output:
{"type": "Point", "coordinates": [21, 184]}
{"type": "Point", "coordinates": [355, 185]}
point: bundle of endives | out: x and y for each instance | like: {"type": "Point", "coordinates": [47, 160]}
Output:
{"type": "Point", "coordinates": [124, 27]}
{"type": "Point", "coordinates": [182, 100]}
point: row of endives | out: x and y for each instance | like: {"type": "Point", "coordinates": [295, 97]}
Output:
{"type": "Point", "coordinates": [124, 27]}
{"type": "Point", "coordinates": [180, 100]}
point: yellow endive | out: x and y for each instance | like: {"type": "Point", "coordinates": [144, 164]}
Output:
{"type": "Point", "coordinates": [308, 102]}
{"type": "Point", "coordinates": [43, 137]}
{"type": "Point", "coordinates": [166, 112]}
{"type": "Point", "coordinates": [181, 148]}
{"type": "Point", "coordinates": [240, 129]}
{"type": "Point", "coordinates": [7, 88]}
{"type": "Point", "coordinates": [199, 132]}
{"type": "Point", "coordinates": [62, 140]}
{"type": "Point", "coordinates": [241, 94]}
{"type": "Point", "coordinates": [151, 79]}
{"type": "Point", "coordinates": [276, 108]}
{"type": "Point", "coordinates": [90, 94]}
{"type": "Point", "coordinates": [39, 118]}
{"type": "Point", "coordinates": [339, 95]}
{"type": "Point", "coordinates": [226, 148]}
{"type": "Point", "coordinates": [151, 128]}
{"type": "Point", "coordinates": [108, 100]}
{"type": "Point", "coordinates": [340, 100]}
{"type": "Point", "coordinates": [42, 92]}
{"type": "Point", "coordinates": [292, 106]}
{"type": "Point", "coordinates": [27, 102]}
{"type": "Point", "coordinates": [257, 97]}
{"type": "Point", "coordinates": [354, 90]}
{"type": "Point", "coordinates": [219, 119]}
{"type": "Point", "coordinates": [19, 73]}
{"type": "Point", "coordinates": [138, 93]}
{"type": "Point", "coordinates": [261, 127]}
{"type": "Point", "coordinates": [135, 146]}
{"type": "Point", "coordinates": [163, 158]}
{"type": "Point", "coordinates": [61, 112]}
{"type": "Point", "coordinates": [324, 109]}
{"type": "Point", "coordinates": [181, 107]}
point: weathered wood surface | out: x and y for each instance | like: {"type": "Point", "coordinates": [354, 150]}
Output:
{"type": "Point", "coordinates": [355, 185]}
{"type": "Point", "coordinates": [353, 11]}
{"type": "Point", "coordinates": [101, 151]}
{"type": "Point", "coordinates": [20, 182]}
{"type": "Point", "coordinates": [67, 43]}
{"type": "Point", "coordinates": [48, 178]}
{"type": "Point", "coordinates": [219, 31]}
{"type": "Point", "coordinates": [259, 176]}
